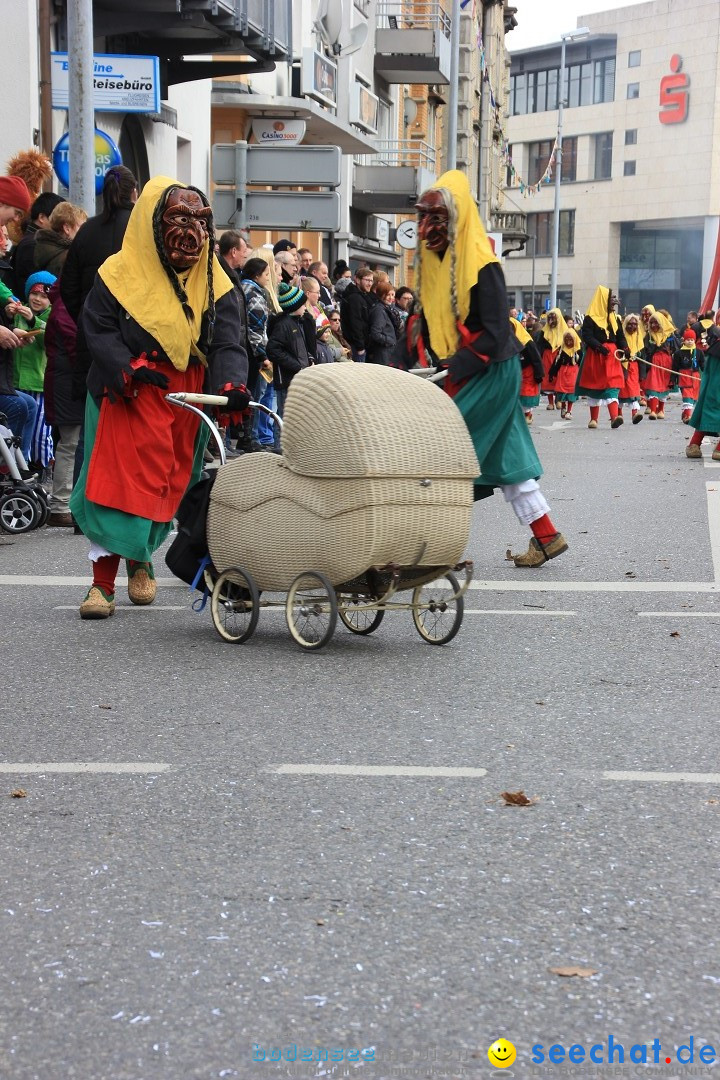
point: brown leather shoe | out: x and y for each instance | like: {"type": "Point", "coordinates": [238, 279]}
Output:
{"type": "Point", "coordinates": [60, 520]}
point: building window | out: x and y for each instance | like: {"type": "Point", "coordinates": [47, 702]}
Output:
{"type": "Point", "coordinates": [634, 58]}
{"type": "Point", "coordinates": [541, 226]}
{"type": "Point", "coordinates": [629, 168]}
{"type": "Point", "coordinates": [539, 158]}
{"type": "Point", "coordinates": [631, 137]}
{"type": "Point", "coordinates": [603, 156]}
{"type": "Point", "coordinates": [633, 90]}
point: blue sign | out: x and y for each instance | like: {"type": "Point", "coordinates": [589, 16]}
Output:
{"type": "Point", "coordinates": [547, 304]}
{"type": "Point", "coordinates": [107, 154]}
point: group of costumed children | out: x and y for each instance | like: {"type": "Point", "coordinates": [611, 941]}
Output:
{"type": "Point", "coordinates": [619, 363]}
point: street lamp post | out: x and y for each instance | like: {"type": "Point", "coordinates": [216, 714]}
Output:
{"type": "Point", "coordinates": [582, 31]}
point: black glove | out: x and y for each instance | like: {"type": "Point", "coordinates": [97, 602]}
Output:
{"type": "Point", "coordinates": [604, 350]}
{"type": "Point", "coordinates": [237, 400]}
{"type": "Point", "coordinates": [151, 377]}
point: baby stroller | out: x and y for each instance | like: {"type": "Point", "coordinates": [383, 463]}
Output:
{"type": "Point", "coordinates": [23, 501]}
{"type": "Point", "coordinates": [372, 496]}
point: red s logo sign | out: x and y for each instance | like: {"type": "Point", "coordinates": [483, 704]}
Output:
{"type": "Point", "coordinates": [674, 95]}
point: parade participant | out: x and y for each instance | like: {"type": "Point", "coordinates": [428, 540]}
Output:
{"type": "Point", "coordinates": [533, 372]}
{"type": "Point", "coordinates": [564, 372]}
{"type": "Point", "coordinates": [631, 392]}
{"type": "Point", "coordinates": [658, 354]}
{"type": "Point", "coordinates": [687, 365]}
{"type": "Point", "coordinates": [550, 344]}
{"type": "Point", "coordinates": [462, 294]}
{"type": "Point", "coordinates": [601, 376]}
{"type": "Point", "coordinates": [161, 317]}
{"type": "Point", "coordinates": [706, 414]}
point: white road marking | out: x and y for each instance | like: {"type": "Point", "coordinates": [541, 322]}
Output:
{"type": "Point", "coordinates": [516, 611]}
{"type": "Point", "coordinates": [375, 770]}
{"type": "Point", "coordinates": [141, 767]}
{"type": "Point", "coordinates": [132, 607]}
{"type": "Point", "coordinates": [678, 614]}
{"type": "Point", "coordinates": [710, 464]}
{"type": "Point", "coordinates": [280, 609]}
{"type": "Point", "coordinates": [522, 584]}
{"type": "Point", "coordinates": [713, 506]}
{"type": "Point", "coordinates": [665, 777]}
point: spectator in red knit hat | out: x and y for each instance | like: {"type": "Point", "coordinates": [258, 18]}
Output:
{"type": "Point", "coordinates": [15, 199]}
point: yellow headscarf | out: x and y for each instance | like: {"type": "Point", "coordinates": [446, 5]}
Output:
{"type": "Point", "coordinates": [469, 251]}
{"type": "Point", "coordinates": [659, 337]}
{"type": "Point", "coordinates": [598, 310]}
{"type": "Point", "coordinates": [519, 331]}
{"type": "Point", "coordinates": [576, 342]}
{"type": "Point", "coordinates": [554, 334]}
{"type": "Point", "coordinates": [635, 341]}
{"type": "Point", "coordinates": [136, 278]}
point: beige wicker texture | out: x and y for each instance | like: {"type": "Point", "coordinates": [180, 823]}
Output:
{"type": "Point", "coordinates": [367, 420]}
{"type": "Point", "coordinates": [276, 524]}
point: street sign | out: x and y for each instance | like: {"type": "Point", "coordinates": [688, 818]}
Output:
{"type": "Point", "coordinates": [406, 234]}
{"type": "Point", "coordinates": [126, 84]}
{"type": "Point", "coordinates": [310, 211]}
{"type": "Point", "coordinates": [286, 165]}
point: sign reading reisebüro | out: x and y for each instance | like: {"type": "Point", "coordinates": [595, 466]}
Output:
{"type": "Point", "coordinates": [128, 84]}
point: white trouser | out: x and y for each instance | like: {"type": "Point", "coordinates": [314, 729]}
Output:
{"type": "Point", "coordinates": [527, 500]}
{"type": "Point", "coordinates": [97, 551]}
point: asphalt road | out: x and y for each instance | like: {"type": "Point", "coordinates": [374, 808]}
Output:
{"type": "Point", "coordinates": [181, 919]}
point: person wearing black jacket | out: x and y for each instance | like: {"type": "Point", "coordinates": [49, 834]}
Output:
{"type": "Point", "coordinates": [22, 258]}
{"type": "Point", "coordinates": [382, 332]}
{"type": "Point", "coordinates": [355, 312]}
{"type": "Point", "coordinates": [291, 339]}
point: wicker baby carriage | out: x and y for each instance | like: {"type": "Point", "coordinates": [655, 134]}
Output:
{"type": "Point", "coordinates": [372, 495]}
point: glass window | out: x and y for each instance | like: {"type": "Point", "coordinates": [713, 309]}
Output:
{"type": "Point", "coordinates": [538, 158]}
{"type": "Point", "coordinates": [604, 80]}
{"type": "Point", "coordinates": [552, 88]}
{"type": "Point", "coordinates": [633, 90]}
{"type": "Point", "coordinates": [603, 156]}
{"type": "Point", "coordinates": [631, 137]}
{"type": "Point", "coordinates": [569, 159]}
{"type": "Point", "coordinates": [519, 94]}
{"type": "Point", "coordinates": [629, 168]}
{"type": "Point", "coordinates": [541, 226]}
{"type": "Point", "coordinates": [634, 58]}
{"type": "Point", "coordinates": [586, 85]}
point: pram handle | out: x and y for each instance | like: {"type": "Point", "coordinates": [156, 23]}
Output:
{"type": "Point", "coordinates": [190, 401]}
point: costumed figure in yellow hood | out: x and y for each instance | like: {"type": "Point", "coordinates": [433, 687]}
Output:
{"type": "Point", "coordinates": [631, 392]}
{"type": "Point", "coordinates": [162, 317]}
{"type": "Point", "coordinates": [563, 372]}
{"type": "Point", "coordinates": [601, 375]}
{"type": "Point", "coordinates": [687, 368]}
{"type": "Point", "coordinates": [466, 325]}
{"type": "Point", "coordinates": [533, 372]}
{"type": "Point", "coordinates": [659, 347]}
{"type": "Point", "coordinates": [706, 414]}
{"type": "Point", "coordinates": [550, 344]}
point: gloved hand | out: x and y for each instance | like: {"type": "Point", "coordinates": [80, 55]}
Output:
{"type": "Point", "coordinates": [151, 377]}
{"type": "Point", "coordinates": [237, 400]}
{"type": "Point", "coordinates": [604, 350]}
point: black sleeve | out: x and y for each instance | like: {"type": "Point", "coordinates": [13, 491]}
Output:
{"type": "Point", "coordinates": [227, 358]}
{"type": "Point", "coordinates": [70, 283]}
{"type": "Point", "coordinates": [489, 313]}
{"type": "Point", "coordinates": [591, 332]}
{"type": "Point", "coordinates": [101, 335]}
{"type": "Point", "coordinates": [531, 358]}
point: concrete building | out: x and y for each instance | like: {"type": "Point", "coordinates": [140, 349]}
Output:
{"type": "Point", "coordinates": [640, 191]}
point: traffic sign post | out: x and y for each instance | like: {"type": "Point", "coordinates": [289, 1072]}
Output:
{"type": "Point", "coordinates": [235, 165]}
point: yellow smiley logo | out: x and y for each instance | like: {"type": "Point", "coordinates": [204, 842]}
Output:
{"type": "Point", "coordinates": [501, 1054]}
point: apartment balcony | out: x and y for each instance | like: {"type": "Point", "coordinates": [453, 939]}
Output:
{"type": "Point", "coordinates": [513, 226]}
{"type": "Point", "coordinates": [412, 42]}
{"type": "Point", "coordinates": [391, 180]}
{"type": "Point", "coordinates": [255, 32]}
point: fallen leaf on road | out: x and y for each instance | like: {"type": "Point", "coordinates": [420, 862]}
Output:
{"type": "Point", "coordinates": [516, 798]}
{"type": "Point", "coordinates": [319, 922]}
{"type": "Point", "coordinates": [629, 573]}
{"type": "Point", "coordinates": [539, 702]}
{"type": "Point", "coordinates": [674, 633]}
{"type": "Point", "coordinates": [712, 802]}
{"type": "Point", "coordinates": [18, 793]}
{"type": "Point", "coordinates": [104, 706]}
{"type": "Point", "coordinates": [572, 969]}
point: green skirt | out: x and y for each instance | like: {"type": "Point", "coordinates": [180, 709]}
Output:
{"type": "Point", "coordinates": [123, 534]}
{"type": "Point", "coordinates": [706, 414]}
{"type": "Point", "coordinates": [491, 408]}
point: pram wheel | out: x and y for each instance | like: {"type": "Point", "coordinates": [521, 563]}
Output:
{"type": "Point", "coordinates": [235, 605]}
{"type": "Point", "coordinates": [43, 506]}
{"type": "Point", "coordinates": [311, 610]}
{"type": "Point", "coordinates": [358, 620]}
{"type": "Point", "coordinates": [19, 512]}
{"type": "Point", "coordinates": [437, 613]}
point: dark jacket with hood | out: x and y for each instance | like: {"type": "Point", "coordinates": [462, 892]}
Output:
{"type": "Point", "coordinates": [94, 242]}
{"type": "Point", "coordinates": [355, 315]}
{"type": "Point", "coordinates": [291, 346]}
{"type": "Point", "coordinates": [51, 251]}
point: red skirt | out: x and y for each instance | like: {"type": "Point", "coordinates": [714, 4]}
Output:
{"type": "Point", "coordinates": [601, 372]}
{"type": "Point", "coordinates": [689, 385]}
{"type": "Point", "coordinates": [546, 386]}
{"type": "Point", "coordinates": [144, 447]}
{"type": "Point", "coordinates": [631, 389]}
{"type": "Point", "coordinates": [658, 376]}
{"type": "Point", "coordinates": [566, 379]}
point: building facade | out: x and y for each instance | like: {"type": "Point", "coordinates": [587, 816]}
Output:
{"type": "Point", "coordinates": [639, 195]}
